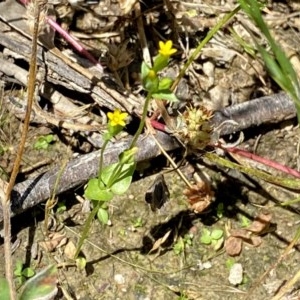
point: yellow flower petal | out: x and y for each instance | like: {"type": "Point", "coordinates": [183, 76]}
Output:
{"type": "Point", "coordinates": [117, 118]}
{"type": "Point", "coordinates": [166, 49]}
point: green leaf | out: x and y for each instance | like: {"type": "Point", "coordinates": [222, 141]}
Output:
{"type": "Point", "coordinates": [245, 222]}
{"type": "Point", "coordinates": [279, 66]}
{"type": "Point", "coordinates": [4, 289]}
{"type": "Point", "coordinates": [205, 237]}
{"type": "Point", "coordinates": [93, 191]}
{"type": "Point", "coordinates": [43, 142]}
{"type": "Point", "coordinates": [220, 210]}
{"type": "Point", "coordinates": [216, 234]}
{"type": "Point", "coordinates": [144, 70]}
{"type": "Point", "coordinates": [165, 83]}
{"type": "Point", "coordinates": [165, 95]}
{"type": "Point", "coordinates": [108, 172]}
{"type": "Point", "coordinates": [121, 186]}
{"type": "Point", "coordinates": [178, 247]}
{"type": "Point", "coordinates": [122, 180]}
{"type": "Point", "coordinates": [151, 84]}
{"type": "Point", "coordinates": [217, 244]}
{"type": "Point", "coordinates": [28, 272]}
{"type": "Point", "coordinates": [127, 157]}
{"type": "Point", "coordinates": [41, 286]}
{"type": "Point", "coordinates": [229, 263]}
{"type": "Point", "coordinates": [81, 263]}
{"type": "Point", "coordinates": [103, 216]}
{"type": "Point", "coordinates": [160, 62]}
{"type": "Point", "coordinates": [18, 269]}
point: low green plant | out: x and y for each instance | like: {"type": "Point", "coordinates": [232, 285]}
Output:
{"type": "Point", "coordinates": [276, 61]}
{"type": "Point", "coordinates": [21, 273]}
{"type": "Point", "coordinates": [115, 179]}
{"type": "Point", "coordinates": [43, 142]}
{"type": "Point", "coordinates": [220, 210]}
{"type": "Point", "coordinates": [229, 262]}
{"type": "Point", "coordinates": [42, 285]}
{"type": "Point", "coordinates": [245, 222]}
{"type": "Point", "coordinates": [214, 238]}
{"type": "Point", "coordinates": [183, 243]}
{"type": "Point", "coordinates": [138, 222]}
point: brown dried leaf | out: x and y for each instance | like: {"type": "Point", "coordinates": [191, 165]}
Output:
{"type": "Point", "coordinates": [70, 250]}
{"type": "Point", "coordinates": [255, 241]}
{"type": "Point", "coordinates": [240, 233]}
{"type": "Point", "coordinates": [55, 240]}
{"type": "Point", "coordinates": [160, 241]}
{"type": "Point", "coordinates": [199, 196]}
{"type": "Point", "coordinates": [233, 246]}
{"type": "Point", "coordinates": [261, 223]}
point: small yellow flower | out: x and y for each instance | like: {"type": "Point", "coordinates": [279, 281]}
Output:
{"type": "Point", "coordinates": [117, 118]}
{"type": "Point", "coordinates": [166, 49]}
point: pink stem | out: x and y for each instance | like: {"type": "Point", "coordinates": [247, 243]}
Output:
{"type": "Point", "coordinates": [70, 40]}
{"type": "Point", "coordinates": [265, 161]}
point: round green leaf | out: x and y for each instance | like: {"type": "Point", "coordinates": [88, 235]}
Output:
{"type": "Point", "coordinates": [216, 234]}
{"type": "Point", "coordinates": [103, 216]}
{"type": "Point", "coordinates": [205, 239]}
{"type": "Point", "coordinates": [93, 192]}
{"type": "Point", "coordinates": [28, 272]}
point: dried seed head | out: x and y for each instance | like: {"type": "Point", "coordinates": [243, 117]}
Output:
{"type": "Point", "coordinates": [36, 11]}
{"type": "Point", "coordinates": [194, 129]}
{"type": "Point", "coordinates": [199, 196]}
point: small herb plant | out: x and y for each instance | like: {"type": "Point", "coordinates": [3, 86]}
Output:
{"type": "Point", "coordinates": [214, 238]}
{"type": "Point", "coordinates": [22, 273]}
{"type": "Point", "coordinates": [43, 142]}
{"type": "Point", "coordinates": [42, 285]}
{"type": "Point", "coordinates": [183, 243]}
{"type": "Point", "coordinates": [116, 178]}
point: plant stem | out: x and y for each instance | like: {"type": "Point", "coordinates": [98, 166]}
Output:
{"type": "Point", "coordinates": [210, 34]}
{"type": "Point", "coordinates": [6, 201]}
{"type": "Point", "coordinates": [142, 123]}
{"type": "Point", "coordinates": [86, 228]}
{"type": "Point", "coordinates": [101, 160]}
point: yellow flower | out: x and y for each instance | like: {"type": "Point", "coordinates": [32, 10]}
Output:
{"type": "Point", "coordinates": [117, 118]}
{"type": "Point", "coordinates": [166, 49]}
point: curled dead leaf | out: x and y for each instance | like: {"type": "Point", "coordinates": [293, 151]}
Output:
{"type": "Point", "coordinates": [261, 223]}
{"type": "Point", "coordinates": [240, 233]}
{"type": "Point", "coordinates": [70, 250]}
{"type": "Point", "coordinates": [233, 246]}
{"type": "Point", "coordinates": [56, 240]}
{"type": "Point", "coordinates": [160, 241]}
{"type": "Point", "coordinates": [199, 196]}
{"type": "Point", "coordinates": [255, 241]}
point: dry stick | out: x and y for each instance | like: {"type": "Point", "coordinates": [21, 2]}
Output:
{"type": "Point", "coordinates": [15, 170]}
{"type": "Point", "coordinates": [79, 170]}
{"type": "Point", "coordinates": [268, 109]}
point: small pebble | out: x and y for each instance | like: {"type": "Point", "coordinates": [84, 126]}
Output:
{"type": "Point", "coordinates": [236, 274]}
{"type": "Point", "coordinates": [119, 279]}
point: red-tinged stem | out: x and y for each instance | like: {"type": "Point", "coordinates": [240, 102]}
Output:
{"type": "Point", "coordinates": [265, 161]}
{"type": "Point", "coordinates": [70, 40]}
{"type": "Point", "coordinates": [159, 126]}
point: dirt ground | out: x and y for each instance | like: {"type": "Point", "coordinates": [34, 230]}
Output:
{"type": "Point", "coordinates": [161, 255]}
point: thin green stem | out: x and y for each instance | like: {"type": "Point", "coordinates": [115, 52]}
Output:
{"type": "Point", "coordinates": [210, 34]}
{"type": "Point", "coordinates": [86, 228]}
{"type": "Point", "coordinates": [142, 123]}
{"type": "Point", "coordinates": [101, 159]}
